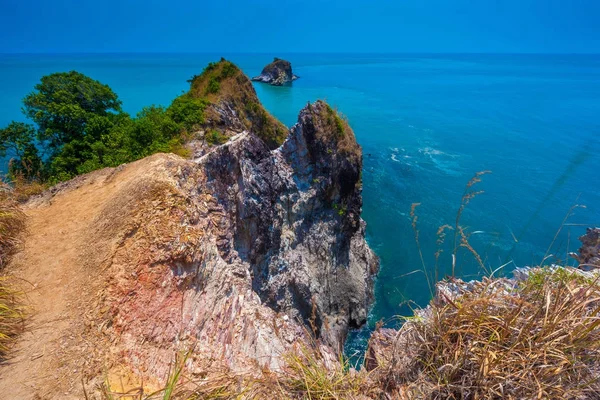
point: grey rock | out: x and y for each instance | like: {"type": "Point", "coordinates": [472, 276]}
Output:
{"type": "Point", "coordinates": [277, 73]}
{"type": "Point", "coordinates": [589, 252]}
{"type": "Point", "coordinates": [295, 213]}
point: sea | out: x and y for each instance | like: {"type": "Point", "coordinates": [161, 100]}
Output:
{"type": "Point", "coordinates": [427, 124]}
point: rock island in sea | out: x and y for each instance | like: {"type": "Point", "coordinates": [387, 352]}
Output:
{"type": "Point", "coordinates": [277, 73]}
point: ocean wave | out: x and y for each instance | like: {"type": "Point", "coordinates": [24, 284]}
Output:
{"type": "Point", "coordinates": [443, 161]}
{"type": "Point", "coordinates": [430, 151]}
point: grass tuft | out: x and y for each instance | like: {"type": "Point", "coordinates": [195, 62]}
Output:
{"type": "Point", "coordinates": [533, 338]}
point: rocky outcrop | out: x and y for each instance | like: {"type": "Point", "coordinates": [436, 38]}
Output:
{"type": "Point", "coordinates": [251, 249]}
{"type": "Point", "coordinates": [277, 73]}
{"type": "Point", "coordinates": [589, 252]}
{"type": "Point", "coordinates": [241, 254]}
{"type": "Point", "coordinates": [295, 217]}
{"type": "Point", "coordinates": [232, 105]}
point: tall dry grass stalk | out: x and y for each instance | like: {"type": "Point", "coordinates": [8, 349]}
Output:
{"type": "Point", "coordinates": [468, 195]}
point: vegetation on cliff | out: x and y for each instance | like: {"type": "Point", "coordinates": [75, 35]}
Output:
{"type": "Point", "coordinates": [225, 87]}
{"type": "Point", "coordinates": [79, 125]}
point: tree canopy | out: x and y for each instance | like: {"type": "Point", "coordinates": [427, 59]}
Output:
{"type": "Point", "coordinates": [80, 127]}
{"type": "Point", "coordinates": [67, 106]}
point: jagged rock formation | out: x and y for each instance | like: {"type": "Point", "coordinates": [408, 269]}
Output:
{"type": "Point", "coordinates": [296, 218]}
{"type": "Point", "coordinates": [265, 238]}
{"type": "Point", "coordinates": [277, 73]}
{"type": "Point", "coordinates": [238, 253]}
{"type": "Point", "coordinates": [589, 252]}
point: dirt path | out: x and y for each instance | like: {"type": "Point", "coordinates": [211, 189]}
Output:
{"type": "Point", "coordinates": [48, 358]}
{"type": "Point", "coordinates": [49, 265]}
{"type": "Point", "coordinates": [61, 271]}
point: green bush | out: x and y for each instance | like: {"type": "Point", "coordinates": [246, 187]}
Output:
{"type": "Point", "coordinates": [214, 137]}
{"type": "Point", "coordinates": [213, 85]}
{"type": "Point", "coordinates": [187, 111]}
{"type": "Point", "coordinates": [228, 70]}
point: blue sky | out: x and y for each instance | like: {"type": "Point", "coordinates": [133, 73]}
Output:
{"type": "Point", "coordinates": [512, 26]}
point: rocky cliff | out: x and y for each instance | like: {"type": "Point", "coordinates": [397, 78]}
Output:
{"type": "Point", "coordinates": [295, 217]}
{"type": "Point", "coordinates": [240, 254]}
{"type": "Point", "coordinates": [589, 252]}
{"type": "Point", "coordinates": [277, 73]}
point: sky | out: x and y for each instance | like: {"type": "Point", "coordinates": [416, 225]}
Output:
{"type": "Point", "coordinates": [320, 26]}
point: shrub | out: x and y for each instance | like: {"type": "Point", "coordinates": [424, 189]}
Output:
{"type": "Point", "coordinates": [12, 223]}
{"type": "Point", "coordinates": [187, 111]}
{"type": "Point", "coordinates": [213, 86]}
{"type": "Point", "coordinates": [214, 137]}
{"type": "Point", "coordinates": [11, 315]}
{"type": "Point", "coordinates": [229, 70]}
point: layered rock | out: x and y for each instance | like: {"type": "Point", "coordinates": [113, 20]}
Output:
{"type": "Point", "coordinates": [277, 73]}
{"type": "Point", "coordinates": [265, 246]}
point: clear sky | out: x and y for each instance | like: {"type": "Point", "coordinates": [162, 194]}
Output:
{"type": "Point", "coordinates": [225, 26]}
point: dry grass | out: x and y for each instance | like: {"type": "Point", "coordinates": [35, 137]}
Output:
{"type": "Point", "coordinates": [307, 374]}
{"type": "Point", "coordinates": [534, 338]}
{"type": "Point", "coordinates": [11, 315]}
{"type": "Point", "coordinates": [23, 188]}
{"type": "Point", "coordinates": [331, 126]}
{"type": "Point", "coordinates": [12, 224]}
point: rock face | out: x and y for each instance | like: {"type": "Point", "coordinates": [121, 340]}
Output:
{"type": "Point", "coordinates": [589, 252]}
{"type": "Point", "coordinates": [295, 214]}
{"type": "Point", "coordinates": [278, 73]}
{"type": "Point", "coordinates": [265, 245]}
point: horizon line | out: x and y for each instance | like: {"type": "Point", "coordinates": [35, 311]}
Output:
{"type": "Point", "coordinates": [285, 52]}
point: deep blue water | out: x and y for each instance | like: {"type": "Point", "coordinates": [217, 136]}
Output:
{"type": "Point", "coordinates": [426, 123]}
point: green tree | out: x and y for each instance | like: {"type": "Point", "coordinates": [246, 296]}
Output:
{"type": "Point", "coordinates": [64, 103]}
{"type": "Point", "coordinates": [17, 141]}
{"type": "Point", "coordinates": [81, 128]}
{"type": "Point", "coordinates": [187, 111]}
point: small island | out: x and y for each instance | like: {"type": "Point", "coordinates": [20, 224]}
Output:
{"type": "Point", "coordinates": [277, 73]}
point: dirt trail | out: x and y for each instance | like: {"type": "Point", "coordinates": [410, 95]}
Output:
{"type": "Point", "coordinates": [48, 359]}
{"type": "Point", "coordinates": [54, 285]}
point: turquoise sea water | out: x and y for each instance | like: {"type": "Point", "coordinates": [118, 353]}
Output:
{"type": "Point", "coordinates": [426, 123]}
